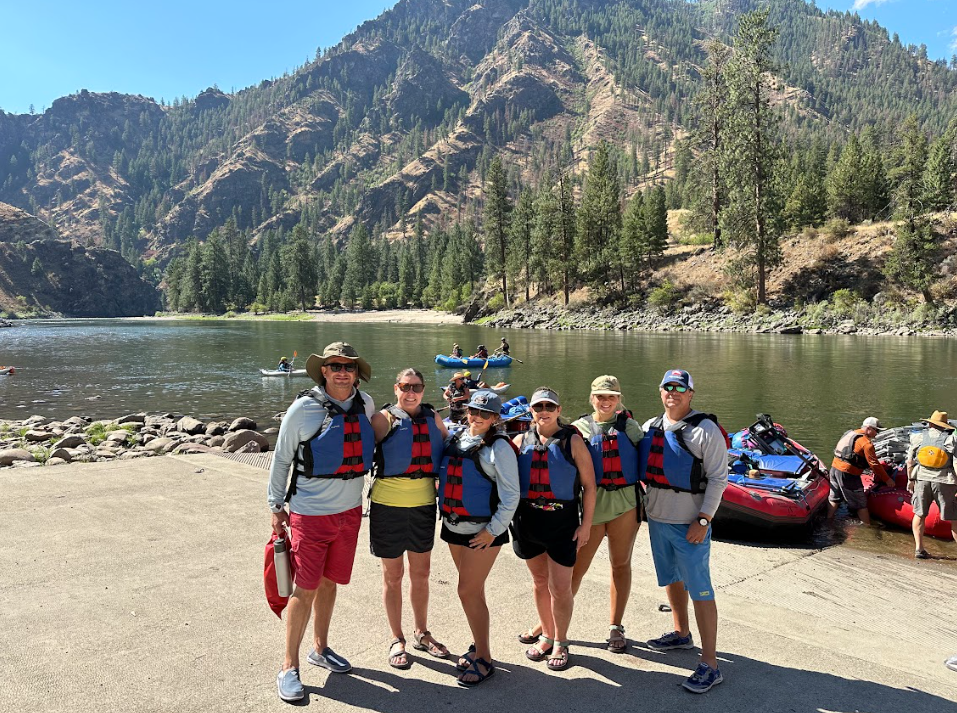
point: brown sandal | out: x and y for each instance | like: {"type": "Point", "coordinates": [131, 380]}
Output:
{"type": "Point", "coordinates": [541, 649]}
{"type": "Point", "coordinates": [432, 648]}
{"type": "Point", "coordinates": [399, 660]}
{"type": "Point", "coordinates": [617, 643]}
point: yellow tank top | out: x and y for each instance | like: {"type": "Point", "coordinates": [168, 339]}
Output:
{"type": "Point", "coordinates": [403, 492]}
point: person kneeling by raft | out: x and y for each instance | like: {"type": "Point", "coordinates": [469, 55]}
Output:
{"type": "Point", "coordinates": [478, 495]}
{"type": "Point", "coordinates": [556, 473]}
{"type": "Point", "coordinates": [410, 440]}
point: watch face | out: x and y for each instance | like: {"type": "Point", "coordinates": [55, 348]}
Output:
{"type": "Point", "coordinates": [703, 521]}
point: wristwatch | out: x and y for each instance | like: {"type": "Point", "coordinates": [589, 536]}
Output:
{"type": "Point", "coordinates": [704, 522]}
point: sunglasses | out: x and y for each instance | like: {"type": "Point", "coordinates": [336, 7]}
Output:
{"type": "Point", "coordinates": [675, 387]}
{"type": "Point", "coordinates": [545, 406]}
{"type": "Point", "coordinates": [479, 413]}
{"type": "Point", "coordinates": [337, 367]}
{"type": "Point", "coordinates": [406, 388]}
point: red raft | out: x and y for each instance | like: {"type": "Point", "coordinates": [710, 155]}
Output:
{"type": "Point", "coordinates": [773, 481]}
{"type": "Point", "coordinates": [893, 505]}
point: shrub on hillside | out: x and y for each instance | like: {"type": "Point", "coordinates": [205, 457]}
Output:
{"type": "Point", "coordinates": [664, 296]}
{"type": "Point", "coordinates": [835, 229]}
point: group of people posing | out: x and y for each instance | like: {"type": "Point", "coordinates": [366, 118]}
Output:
{"type": "Point", "coordinates": [555, 492]}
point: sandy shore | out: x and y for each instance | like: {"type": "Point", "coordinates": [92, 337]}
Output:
{"type": "Point", "coordinates": [137, 586]}
{"type": "Point", "coordinates": [397, 316]}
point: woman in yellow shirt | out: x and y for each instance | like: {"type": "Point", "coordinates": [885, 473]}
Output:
{"type": "Point", "coordinates": [409, 438]}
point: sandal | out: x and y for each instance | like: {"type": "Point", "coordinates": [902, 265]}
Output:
{"type": "Point", "coordinates": [466, 658]}
{"type": "Point", "coordinates": [400, 659]}
{"type": "Point", "coordinates": [432, 647]}
{"type": "Point", "coordinates": [560, 660]}
{"type": "Point", "coordinates": [474, 670]}
{"type": "Point", "coordinates": [617, 643]}
{"type": "Point", "coordinates": [537, 652]}
{"type": "Point", "coordinates": [529, 636]}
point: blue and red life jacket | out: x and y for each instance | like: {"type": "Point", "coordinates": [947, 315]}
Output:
{"type": "Point", "coordinates": [413, 446]}
{"type": "Point", "coordinates": [342, 448]}
{"type": "Point", "coordinates": [664, 460]}
{"type": "Point", "coordinates": [466, 493]}
{"type": "Point", "coordinates": [547, 472]}
{"type": "Point", "coordinates": [613, 454]}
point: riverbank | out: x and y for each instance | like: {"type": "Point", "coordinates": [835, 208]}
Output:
{"type": "Point", "coordinates": [705, 318]}
{"type": "Point", "coordinates": [395, 316]}
{"type": "Point", "coordinates": [115, 601]}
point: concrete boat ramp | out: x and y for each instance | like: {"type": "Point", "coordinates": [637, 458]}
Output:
{"type": "Point", "coordinates": [137, 586]}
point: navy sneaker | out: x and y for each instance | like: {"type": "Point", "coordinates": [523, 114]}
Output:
{"type": "Point", "coordinates": [289, 685]}
{"type": "Point", "coordinates": [951, 663]}
{"type": "Point", "coordinates": [672, 640]}
{"type": "Point", "coordinates": [330, 660]}
{"type": "Point", "coordinates": [703, 679]}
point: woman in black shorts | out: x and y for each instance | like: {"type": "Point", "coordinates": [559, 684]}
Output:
{"type": "Point", "coordinates": [410, 440]}
{"type": "Point", "coordinates": [478, 494]}
{"type": "Point", "coordinates": [556, 474]}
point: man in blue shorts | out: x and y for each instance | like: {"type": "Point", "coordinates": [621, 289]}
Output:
{"type": "Point", "coordinates": [684, 465]}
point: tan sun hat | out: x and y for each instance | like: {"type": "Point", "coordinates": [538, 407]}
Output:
{"type": "Point", "coordinates": [939, 419]}
{"type": "Point", "coordinates": [607, 385]}
{"type": "Point", "coordinates": [343, 350]}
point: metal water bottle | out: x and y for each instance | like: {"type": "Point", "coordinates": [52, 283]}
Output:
{"type": "Point", "coordinates": [281, 559]}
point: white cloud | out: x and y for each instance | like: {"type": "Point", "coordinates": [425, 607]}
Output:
{"type": "Point", "coordinates": [861, 4]}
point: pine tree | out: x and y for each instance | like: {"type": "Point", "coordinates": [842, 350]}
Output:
{"type": "Point", "coordinates": [874, 187]}
{"type": "Point", "coordinates": [940, 173]}
{"type": "Point", "coordinates": [299, 263]}
{"type": "Point", "coordinates": [633, 242]}
{"type": "Point", "coordinates": [599, 218]}
{"type": "Point", "coordinates": [215, 273]}
{"type": "Point", "coordinates": [713, 115]}
{"type": "Point", "coordinates": [543, 234]}
{"type": "Point", "coordinates": [520, 240]}
{"type": "Point", "coordinates": [751, 155]}
{"type": "Point", "coordinates": [845, 190]}
{"type": "Point", "coordinates": [358, 261]}
{"type": "Point", "coordinates": [497, 216]}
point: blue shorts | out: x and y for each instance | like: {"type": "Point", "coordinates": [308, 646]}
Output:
{"type": "Point", "coordinates": [677, 560]}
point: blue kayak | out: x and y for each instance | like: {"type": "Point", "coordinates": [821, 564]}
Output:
{"type": "Point", "coordinates": [451, 362]}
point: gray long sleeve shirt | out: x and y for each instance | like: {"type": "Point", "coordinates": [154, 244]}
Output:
{"type": "Point", "coordinates": [501, 465]}
{"type": "Point", "coordinates": [704, 441]}
{"type": "Point", "coordinates": [314, 496]}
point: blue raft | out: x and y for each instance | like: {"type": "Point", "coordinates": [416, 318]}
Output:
{"type": "Point", "coordinates": [451, 362]}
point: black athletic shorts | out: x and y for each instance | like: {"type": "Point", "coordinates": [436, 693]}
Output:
{"type": "Point", "coordinates": [539, 532]}
{"type": "Point", "coordinates": [394, 531]}
{"type": "Point", "coordinates": [454, 538]}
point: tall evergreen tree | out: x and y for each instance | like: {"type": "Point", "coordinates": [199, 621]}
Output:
{"type": "Point", "coordinates": [712, 109]}
{"type": "Point", "coordinates": [599, 218]}
{"type": "Point", "coordinates": [497, 214]}
{"type": "Point", "coordinates": [520, 240]}
{"type": "Point", "coordinates": [302, 274]}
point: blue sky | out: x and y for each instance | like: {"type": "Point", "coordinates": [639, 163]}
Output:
{"type": "Point", "coordinates": [51, 48]}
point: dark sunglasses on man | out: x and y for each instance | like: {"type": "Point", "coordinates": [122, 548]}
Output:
{"type": "Point", "coordinates": [337, 367]}
{"type": "Point", "coordinates": [545, 406]}
{"type": "Point", "coordinates": [675, 387]}
{"type": "Point", "coordinates": [416, 388]}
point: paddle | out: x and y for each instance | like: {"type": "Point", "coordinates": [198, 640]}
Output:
{"type": "Point", "coordinates": [484, 367]}
{"type": "Point", "coordinates": [516, 359]}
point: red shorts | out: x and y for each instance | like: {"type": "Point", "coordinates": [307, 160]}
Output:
{"type": "Point", "coordinates": [324, 546]}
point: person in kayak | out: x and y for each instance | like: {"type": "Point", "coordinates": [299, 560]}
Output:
{"type": "Point", "coordinates": [931, 477]}
{"type": "Point", "coordinates": [324, 496]}
{"type": "Point", "coordinates": [410, 437]}
{"type": "Point", "coordinates": [557, 476]}
{"type": "Point", "coordinates": [502, 348]}
{"type": "Point", "coordinates": [284, 365]}
{"type": "Point", "coordinates": [457, 396]}
{"type": "Point", "coordinates": [480, 352]}
{"type": "Point", "coordinates": [457, 351]}
{"type": "Point", "coordinates": [478, 495]}
{"type": "Point", "coordinates": [853, 454]}
{"type": "Point", "coordinates": [684, 461]}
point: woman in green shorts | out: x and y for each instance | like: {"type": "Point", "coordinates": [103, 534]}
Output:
{"type": "Point", "coordinates": [410, 440]}
{"type": "Point", "coordinates": [612, 436]}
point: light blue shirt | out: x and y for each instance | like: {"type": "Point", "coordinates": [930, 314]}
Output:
{"type": "Point", "coordinates": [501, 465]}
{"type": "Point", "coordinates": [314, 496]}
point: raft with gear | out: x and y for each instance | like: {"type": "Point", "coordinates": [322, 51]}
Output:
{"type": "Point", "coordinates": [451, 362]}
{"type": "Point", "coordinates": [277, 372]}
{"type": "Point", "coordinates": [4, 370]}
{"type": "Point", "coordinates": [773, 481]}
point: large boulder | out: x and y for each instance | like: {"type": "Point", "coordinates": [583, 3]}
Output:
{"type": "Point", "coordinates": [132, 418]}
{"type": "Point", "coordinates": [37, 436]}
{"type": "Point", "coordinates": [241, 424]}
{"type": "Point", "coordinates": [237, 439]}
{"type": "Point", "coordinates": [190, 425]}
{"type": "Point", "coordinates": [160, 445]}
{"type": "Point", "coordinates": [14, 455]}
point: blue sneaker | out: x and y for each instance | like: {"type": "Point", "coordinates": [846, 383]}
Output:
{"type": "Point", "coordinates": [703, 679]}
{"type": "Point", "coordinates": [330, 660]}
{"type": "Point", "coordinates": [289, 685]}
{"type": "Point", "coordinates": [672, 640]}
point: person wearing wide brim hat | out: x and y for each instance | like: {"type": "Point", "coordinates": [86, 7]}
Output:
{"type": "Point", "coordinates": [340, 350]}
{"type": "Point", "coordinates": [325, 499]}
{"type": "Point", "coordinates": [457, 396]}
{"type": "Point", "coordinates": [931, 477]}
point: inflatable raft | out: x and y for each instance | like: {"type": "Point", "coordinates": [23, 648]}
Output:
{"type": "Point", "coordinates": [773, 481]}
{"type": "Point", "coordinates": [893, 505]}
{"type": "Point", "coordinates": [451, 362]}
{"type": "Point", "coordinates": [276, 372]}
{"type": "Point", "coordinates": [4, 370]}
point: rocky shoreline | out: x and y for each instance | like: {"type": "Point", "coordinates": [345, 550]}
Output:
{"type": "Point", "coordinates": [38, 440]}
{"type": "Point", "coordinates": [700, 318]}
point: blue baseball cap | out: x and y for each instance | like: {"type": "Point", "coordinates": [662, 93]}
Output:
{"type": "Point", "coordinates": [677, 376]}
{"type": "Point", "coordinates": [485, 400]}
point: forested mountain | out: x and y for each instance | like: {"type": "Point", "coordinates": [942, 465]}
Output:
{"type": "Point", "coordinates": [397, 125]}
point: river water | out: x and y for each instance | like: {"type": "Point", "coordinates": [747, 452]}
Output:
{"type": "Point", "coordinates": [817, 386]}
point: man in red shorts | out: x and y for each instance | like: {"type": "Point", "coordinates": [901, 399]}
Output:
{"type": "Point", "coordinates": [326, 444]}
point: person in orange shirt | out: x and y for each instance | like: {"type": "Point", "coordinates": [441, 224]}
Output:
{"type": "Point", "coordinates": [854, 454]}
